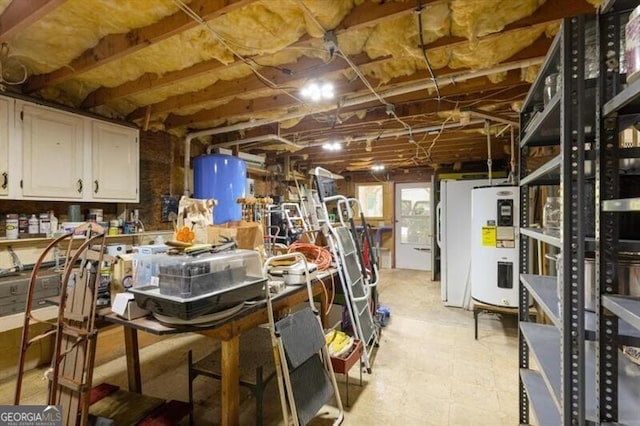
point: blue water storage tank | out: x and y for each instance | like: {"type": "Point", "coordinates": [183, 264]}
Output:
{"type": "Point", "coordinates": [223, 178]}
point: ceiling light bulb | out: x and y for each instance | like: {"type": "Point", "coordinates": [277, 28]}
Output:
{"type": "Point", "coordinates": [327, 91]}
{"type": "Point", "coordinates": [317, 91]}
{"type": "Point", "coordinates": [332, 146]}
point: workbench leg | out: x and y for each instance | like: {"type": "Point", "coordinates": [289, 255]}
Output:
{"type": "Point", "coordinates": [475, 320]}
{"type": "Point", "coordinates": [133, 359]}
{"type": "Point", "coordinates": [230, 381]}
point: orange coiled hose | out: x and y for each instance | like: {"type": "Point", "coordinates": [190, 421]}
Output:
{"type": "Point", "coordinates": [315, 254]}
{"type": "Point", "coordinates": [322, 258]}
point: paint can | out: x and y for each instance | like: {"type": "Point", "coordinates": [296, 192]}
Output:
{"type": "Point", "coordinates": [11, 226]}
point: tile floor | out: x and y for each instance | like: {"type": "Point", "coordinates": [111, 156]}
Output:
{"type": "Point", "coordinates": [428, 370]}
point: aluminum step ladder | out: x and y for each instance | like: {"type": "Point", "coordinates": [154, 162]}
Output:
{"type": "Point", "coordinates": [347, 253]}
{"type": "Point", "coordinates": [369, 256]}
{"type": "Point", "coordinates": [74, 330]}
{"type": "Point", "coordinates": [306, 381]}
{"type": "Point", "coordinates": [296, 222]}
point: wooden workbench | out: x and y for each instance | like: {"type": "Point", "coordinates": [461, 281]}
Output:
{"type": "Point", "coordinates": [227, 331]}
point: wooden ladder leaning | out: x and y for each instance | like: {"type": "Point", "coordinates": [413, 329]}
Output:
{"type": "Point", "coordinates": [74, 330]}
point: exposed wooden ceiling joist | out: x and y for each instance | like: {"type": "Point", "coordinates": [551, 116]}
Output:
{"type": "Point", "coordinates": [20, 14]}
{"type": "Point", "coordinates": [361, 16]}
{"type": "Point", "coordinates": [300, 71]}
{"type": "Point", "coordinates": [115, 46]}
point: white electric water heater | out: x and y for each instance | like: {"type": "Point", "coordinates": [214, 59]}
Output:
{"type": "Point", "coordinates": [494, 245]}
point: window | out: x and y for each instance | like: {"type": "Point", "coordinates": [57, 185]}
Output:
{"type": "Point", "coordinates": [371, 200]}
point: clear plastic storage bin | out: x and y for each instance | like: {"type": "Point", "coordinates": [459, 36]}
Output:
{"type": "Point", "coordinates": [189, 276]}
{"type": "Point", "coordinates": [189, 287]}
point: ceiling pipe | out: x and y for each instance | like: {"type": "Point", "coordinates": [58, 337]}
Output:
{"type": "Point", "coordinates": [427, 84]}
{"type": "Point", "coordinates": [263, 138]}
{"type": "Point", "coordinates": [405, 132]}
{"type": "Point", "coordinates": [423, 85]}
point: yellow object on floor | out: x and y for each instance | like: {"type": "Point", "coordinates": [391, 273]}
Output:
{"type": "Point", "coordinates": [338, 343]}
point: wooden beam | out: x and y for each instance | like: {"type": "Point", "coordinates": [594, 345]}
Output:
{"type": "Point", "coordinates": [476, 112]}
{"type": "Point", "coordinates": [305, 68]}
{"type": "Point", "coordinates": [551, 10]}
{"type": "Point", "coordinates": [230, 90]}
{"type": "Point", "coordinates": [115, 46]}
{"type": "Point", "coordinates": [261, 105]}
{"type": "Point", "coordinates": [360, 16]}
{"type": "Point", "coordinates": [20, 14]}
{"type": "Point", "coordinates": [381, 149]}
{"type": "Point", "coordinates": [409, 109]}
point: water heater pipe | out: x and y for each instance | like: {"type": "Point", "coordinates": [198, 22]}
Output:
{"type": "Point", "coordinates": [489, 161]}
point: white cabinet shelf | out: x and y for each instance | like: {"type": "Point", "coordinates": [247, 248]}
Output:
{"type": "Point", "coordinates": [51, 154]}
{"type": "Point", "coordinates": [114, 162]}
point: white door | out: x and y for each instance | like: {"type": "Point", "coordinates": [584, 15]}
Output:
{"type": "Point", "coordinates": [115, 162]}
{"type": "Point", "coordinates": [413, 226]}
{"type": "Point", "coordinates": [52, 160]}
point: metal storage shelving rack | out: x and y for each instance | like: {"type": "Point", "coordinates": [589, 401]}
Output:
{"type": "Point", "coordinates": [617, 387]}
{"type": "Point", "coordinates": [555, 392]}
{"type": "Point", "coordinates": [581, 376]}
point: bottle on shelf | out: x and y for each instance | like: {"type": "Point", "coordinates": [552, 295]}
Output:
{"type": "Point", "coordinates": [551, 214]}
{"type": "Point", "coordinates": [44, 224]}
{"type": "Point", "coordinates": [23, 223]}
{"type": "Point", "coordinates": [33, 225]}
{"type": "Point", "coordinates": [54, 222]}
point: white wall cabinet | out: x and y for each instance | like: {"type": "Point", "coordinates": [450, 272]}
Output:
{"type": "Point", "coordinates": [114, 162]}
{"type": "Point", "coordinates": [4, 147]}
{"type": "Point", "coordinates": [52, 153]}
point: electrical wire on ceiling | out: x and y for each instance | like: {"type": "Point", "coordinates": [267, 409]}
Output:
{"type": "Point", "coordinates": [489, 97]}
{"type": "Point", "coordinates": [334, 49]}
{"type": "Point", "coordinates": [422, 49]}
{"type": "Point", "coordinates": [227, 44]}
{"type": "Point", "coordinates": [435, 139]}
{"type": "Point", "coordinates": [5, 62]}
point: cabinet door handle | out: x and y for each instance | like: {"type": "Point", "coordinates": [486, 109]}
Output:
{"type": "Point", "coordinates": [96, 187]}
{"type": "Point", "coordinates": [5, 180]}
{"type": "Point", "coordinates": [80, 186]}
